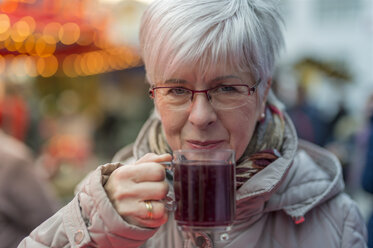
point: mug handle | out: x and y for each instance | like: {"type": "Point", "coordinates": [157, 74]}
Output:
{"type": "Point", "coordinates": [169, 201]}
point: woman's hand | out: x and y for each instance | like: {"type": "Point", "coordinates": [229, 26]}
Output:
{"type": "Point", "coordinates": [129, 186]}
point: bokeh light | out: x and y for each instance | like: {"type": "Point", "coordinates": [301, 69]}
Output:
{"type": "Point", "coordinates": [73, 46]}
{"type": "Point", "coordinates": [47, 67]}
{"type": "Point", "coordinates": [69, 33]}
{"type": "Point", "coordinates": [9, 6]}
{"type": "Point", "coordinates": [44, 47]}
{"type": "Point", "coordinates": [4, 23]}
{"type": "Point", "coordinates": [51, 32]}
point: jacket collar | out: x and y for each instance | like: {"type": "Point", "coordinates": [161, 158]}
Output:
{"type": "Point", "coordinates": [252, 196]}
{"type": "Point", "coordinates": [315, 177]}
{"type": "Point", "coordinates": [305, 176]}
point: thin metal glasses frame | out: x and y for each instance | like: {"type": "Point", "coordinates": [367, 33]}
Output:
{"type": "Point", "coordinates": [251, 90]}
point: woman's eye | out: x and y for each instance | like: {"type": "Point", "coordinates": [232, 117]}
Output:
{"type": "Point", "coordinates": [178, 91]}
{"type": "Point", "coordinates": [227, 88]}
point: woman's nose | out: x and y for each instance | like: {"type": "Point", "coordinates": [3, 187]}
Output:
{"type": "Point", "coordinates": [201, 113]}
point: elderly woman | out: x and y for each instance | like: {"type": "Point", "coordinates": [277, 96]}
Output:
{"type": "Point", "coordinates": [209, 64]}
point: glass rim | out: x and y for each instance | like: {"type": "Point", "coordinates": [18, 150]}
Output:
{"type": "Point", "coordinates": [214, 156]}
{"type": "Point", "coordinates": [204, 150]}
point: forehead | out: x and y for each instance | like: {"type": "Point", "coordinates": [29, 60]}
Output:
{"type": "Point", "coordinates": [203, 75]}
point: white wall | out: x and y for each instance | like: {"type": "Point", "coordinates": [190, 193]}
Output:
{"type": "Point", "coordinates": [340, 30]}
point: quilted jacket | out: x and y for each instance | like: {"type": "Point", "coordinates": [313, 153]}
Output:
{"type": "Point", "coordinates": [297, 201]}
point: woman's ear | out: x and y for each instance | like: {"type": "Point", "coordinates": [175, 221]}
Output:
{"type": "Point", "coordinates": [265, 95]}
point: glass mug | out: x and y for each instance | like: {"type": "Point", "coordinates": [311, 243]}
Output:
{"type": "Point", "coordinates": [203, 196]}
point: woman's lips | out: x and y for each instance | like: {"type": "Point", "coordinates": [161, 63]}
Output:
{"type": "Point", "coordinates": [195, 144]}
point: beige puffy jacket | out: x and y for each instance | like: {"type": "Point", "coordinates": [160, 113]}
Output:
{"type": "Point", "coordinates": [297, 201]}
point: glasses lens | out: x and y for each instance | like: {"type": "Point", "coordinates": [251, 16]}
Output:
{"type": "Point", "coordinates": [229, 96]}
{"type": "Point", "coordinates": [173, 97]}
{"type": "Point", "coordinates": [222, 97]}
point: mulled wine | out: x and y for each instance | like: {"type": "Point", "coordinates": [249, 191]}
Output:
{"type": "Point", "coordinates": [204, 193]}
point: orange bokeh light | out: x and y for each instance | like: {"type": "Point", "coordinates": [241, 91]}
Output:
{"type": "Point", "coordinates": [30, 21]}
{"type": "Point", "coordinates": [38, 47]}
{"type": "Point", "coordinates": [69, 33]}
{"type": "Point", "coordinates": [68, 65]}
{"type": "Point", "coordinates": [9, 6]}
{"type": "Point", "coordinates": [20, 31]}
{"type": "Point", "coordinates": [47, 67]}
{"type": "Point", "coordinates": [51, 31]}
{"type": "Point", "coordinates": [44, 48]}
{"type": "Point", "coordinates": [4, 23]}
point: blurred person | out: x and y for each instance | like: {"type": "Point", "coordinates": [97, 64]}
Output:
{"type": "Point", "coordinates": [367, 175]}
{"type": "Point", "coordinates": [360, 140]}
{"type": "Point", "coordinates": [307, 119]}
{"type": "Point", "coordinates": [64, 162]}
{"type": "Point", "coordinates": [25, 199]}
{"type": "Point", "coordinates": [14, 115]}
{"type": "Point", "coordinates": [209, 64]}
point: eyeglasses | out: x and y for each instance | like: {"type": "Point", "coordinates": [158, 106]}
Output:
{"type": "Point", "coordinates": [224, 96]}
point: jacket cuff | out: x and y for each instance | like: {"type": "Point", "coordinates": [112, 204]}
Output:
{"type": "Point", "coordinates": [76, 230]}
{"type": "Point", "coordinates": [106, 227]}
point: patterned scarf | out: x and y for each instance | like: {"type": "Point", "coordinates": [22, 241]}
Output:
{"type": "Point", "coordinates": [264, 146]}
{"type": "Point", "coordinates": [262, 150]}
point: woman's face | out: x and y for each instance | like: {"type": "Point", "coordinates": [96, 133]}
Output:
{"type": "Point", "coordinates": [201, 126]}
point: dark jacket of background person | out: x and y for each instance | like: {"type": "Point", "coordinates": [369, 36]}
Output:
{"type": "Point", "coordinates": [367, 178]}
{"type": "Point", "coordinates": [24, 200]}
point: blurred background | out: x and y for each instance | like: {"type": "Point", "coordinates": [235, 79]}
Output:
{"type": "Point", "coordinates": [73, 87]}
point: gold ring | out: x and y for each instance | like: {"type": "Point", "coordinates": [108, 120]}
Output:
{"type": "Point", "coordinates": [149, 207]}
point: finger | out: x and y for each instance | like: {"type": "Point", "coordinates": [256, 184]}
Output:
{"type": "Point", "coordinates": [152, 190]}
{"type": "Point", "coordinates": [150, 223]}
{"type": "Point", "coordinates": [144, 191]}
{"type": "Point", "coordinates": [156, 211]}
{"type": "Point", "coordinates": [148, 171]}
{"type": "Point", "coordinates": [152, 157]}
{"type": "Point", "coordinates": [139, 215]}
{"type": "Point", "coordinates": [147, 168]}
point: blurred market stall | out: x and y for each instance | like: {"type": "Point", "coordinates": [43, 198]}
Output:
{"type": "Point", "coordinates": [55, 37]}
{"type": "Point", "coordinates": [71, 74]}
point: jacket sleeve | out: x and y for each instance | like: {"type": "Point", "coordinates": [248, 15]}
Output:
{"type": "Point", "coordinates": [89, 220]}
{"type": "Point", "coordinates": [354, 232]}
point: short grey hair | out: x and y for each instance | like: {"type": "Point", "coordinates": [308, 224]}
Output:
{"type": "Point", "coordinates": [242, 34]}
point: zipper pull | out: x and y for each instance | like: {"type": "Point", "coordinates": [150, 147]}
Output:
{"type": "Point", "coordinates": [298, 219]}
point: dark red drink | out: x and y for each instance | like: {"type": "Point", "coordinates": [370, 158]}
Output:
{"type": "Point", "coordinates": [204, 194]}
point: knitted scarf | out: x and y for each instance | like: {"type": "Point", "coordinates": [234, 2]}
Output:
{"type": "Point", "coordinates": [262, 150]}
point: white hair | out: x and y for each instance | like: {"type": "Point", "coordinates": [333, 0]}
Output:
{"type": "Point", "coordinates": [242, 34]}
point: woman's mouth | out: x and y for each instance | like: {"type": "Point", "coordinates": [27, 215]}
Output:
{"type": "Point", "coordinates": [210, 144]}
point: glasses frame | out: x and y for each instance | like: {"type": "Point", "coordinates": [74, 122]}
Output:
{"type": "Point", "coordinates": [251, 90]}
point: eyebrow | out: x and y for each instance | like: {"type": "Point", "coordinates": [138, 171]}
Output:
{"type": "Point", "coordinates": [182, 81]}
{"type": "Point", "coordinates": [175, 81]}
{"type": "Point", "coordinates": [224, 77]}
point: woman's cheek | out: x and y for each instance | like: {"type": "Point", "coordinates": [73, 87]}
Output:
{"type": "Point", "coordinates": [241, 125]}
{"type": "Point", "coordinates": [172, 127]}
